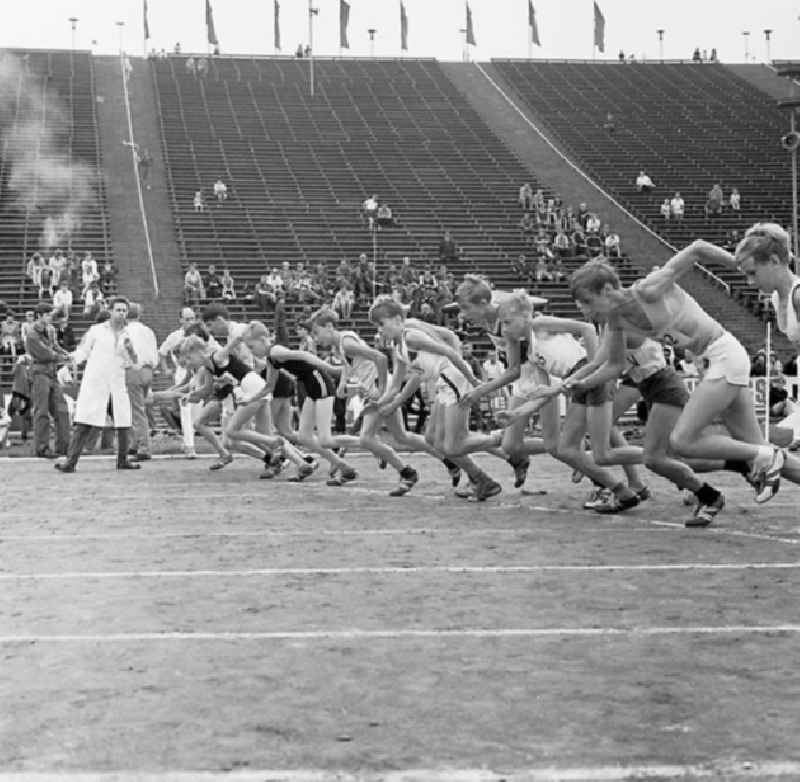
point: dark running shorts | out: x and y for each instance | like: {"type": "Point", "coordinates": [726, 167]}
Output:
{"type": "Point", "coordinates": [665, 387]}
{"type": "Point", "coordinates": [316, 385]}
{"type": "Point", "coordinates": [284, 386]}
{"type": "Point", "coordinates": [592, 397]}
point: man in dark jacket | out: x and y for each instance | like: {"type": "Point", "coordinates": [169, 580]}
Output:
{"type": "Point", "coordinates": [46, 396]}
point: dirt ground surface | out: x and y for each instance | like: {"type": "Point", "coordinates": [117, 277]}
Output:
{"type": "Point", "coordinates": [181, 624]}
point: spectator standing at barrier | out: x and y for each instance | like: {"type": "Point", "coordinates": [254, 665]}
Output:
{"type": "Point", "coordinates": [714, 202]}
{"type": "Point", "coordinates": [62, 298]}
{"type": "Point", "coordinates": [220, 192]}
{"type": "Point", "coordinates": [34, 270]}
{"type": "Point", "coordinates": [108, 351]}
{"type": "Point", "coordinates": [139, 379]}
{"type": "Point", "coordinates": [677, 207]}
{"type": "Point", "coordinates": [212, 284]}
{"type": "Point", "coordinates": [526, 197]}
{"type": "Point", "coordinates": [370, 210]}
{"type": "Point", "coordinates": [46, 397]}
{"type": "Point", "coordinates": [643, 183]}
{"type": "Point", "coordinates": [735, 200]}
{"type": "Point", "coordinates": [448, 251]}
{"type": "Point", "coordinates": [198, 203]}
{"type": "Point", "coordinates": [193, 289]}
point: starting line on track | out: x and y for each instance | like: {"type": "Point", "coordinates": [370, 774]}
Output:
{"type": "Point", "coordinates": [728, 771]}
{"type": "Point", "coordinates": [369, 635]}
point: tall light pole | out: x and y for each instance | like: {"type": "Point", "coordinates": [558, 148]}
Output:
{"type": "Point", "coordinates": [746, 36]}
{"type": "Point", "coordinates": [73, 20]}
{"type": "Point", "coordinates": [121, 26]}
{"type": "Point", "coordinates": [660, 34]}
{"type": "Point", "coordinates": [372, 32]}
{"type": "Point", "coordinates": [767, 34]}
{"type": "Point", "coordinates": [312, 12]}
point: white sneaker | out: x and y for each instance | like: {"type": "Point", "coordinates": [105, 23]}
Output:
{"type": "Point", "coordinates": [189, 453]}
{"type": "Point", "coordinates": [766, 475]}
{"type": "Point", "coordinates": [597, 498]}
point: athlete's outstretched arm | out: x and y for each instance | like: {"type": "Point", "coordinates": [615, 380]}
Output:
{"type": "Point", "coordinates": [611, 368]}
{"type": "Point", "coordinates": [287, 354]}
{"type": "Point", "coordinates": [657, 282]}
{"type": "Point", "coordinates": [416, 340]}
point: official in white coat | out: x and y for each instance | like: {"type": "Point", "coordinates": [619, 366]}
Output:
{"type": "Point", "coordinates": [107, 351]}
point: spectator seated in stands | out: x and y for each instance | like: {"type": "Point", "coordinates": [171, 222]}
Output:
{"type": "Point", "coordinates": [62, 298]}
{"type": "Point", "coordinates": [592, 223]}
{"type": "Point", "coordinates": [696, 56]}
{"type": "Point", "coordinates": [594, 243]}
{"type": "Point", "coordinates": [212, 284]}
{"type": "Point", "coordinates": [731, 241]}
{"type": "Point", "coordinates": [713, 206]}
{"type": "Point", "coordinates": [93, 300]}
{"type": "Point", "coordinates": [343, 301]}
{"type": "Point", "coordinates": [408, 274]}
{"type": "Point", "coordinates": [220, 192]}
{"type": "Point", "coordinates": [108, 276]}
{"type": "Point", "coordinates": [643, 183]}
{"type": "Point", "coordinates": [677, 207]}
{"type": "Point", "coordinates": [199, 203]}
{"type": "Point", "coordinates": [520, 266]}
{"type": "Point", "coordinates": [190, 67]}
{"type": "Point", "coordinates": [369, 210]}
{"type": "Point", "coordinates": [46, 286]}
{"type": "Point", "coordinates": [578, 238]}
{"type": "Point", "coordinates": [65, 336]}
{"type": "Point", "coordinates": [448, 251]}
{"type": "Point", "coordinates": [610, 126]}
{"type": "Point", "coordinates": [735, 200]}
{"type": "Point", "coordinates": [193, 290]}
{"type": "Point", "coordinates": [202, 66]}
{"type": "Point", "coordinates": [10, 335]}
{"type": "Point", "coordinates": [542, 243]}
{"type": "Point", "coordinates": [384, 217]}
{"type": "Point", "coordinates": [611, 243]}
{"type": "Point", "coordinates": [666, 209]}
{"type": "Point", "coordinates": [264, 294]}
{"type": "Point", "coordinates": [561, 245]}
{"type": "Point", "coordinates": [34, 271]}
{"type": "Point", "coordinates": [228, 290]}
{"type": "Point", "coordinates": [526, 197]}
{"type": "Point", "coordinates": [492, 368]}
{"type": "Point", "coordinates": [58, 264]}
{"type": "Point", "coordinates": [304, 286]}
{"type": "Point", "coordinates": [541, 270]}
{"type": "Point", "coordinates": [527, 226]}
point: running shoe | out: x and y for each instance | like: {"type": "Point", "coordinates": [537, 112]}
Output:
{"type": "Point", "coordinates": [223, 461]}
{"type": "Point", "coordinates": [466, 492]}
{"type": "Point", "coordinates": [689, 498]}
{"type": "Point", "coordinates": [766, 480]}
{"type": "Point", "coordinates": [342, 477]}
{"type": "Point", "coordinates": [644, 493]}
{"type": "Point", "coordinates": [616, 505]}
{"type": "Point", "coordinates": [382, 464]}
{"type": "Point", "coordinates": [189, 453]}
{"type": "Point", "coordinates": [597, 496]}
{"type": "Point", "coordinates": [486, 488]}
{"type": "Point", "coordinates": [705, 513]}
{"type": "Point", "coordinates": [303, 471]}
{"type": "Point", "coordinates": [577, 476]}
{"type": "Point", "coordinates": [408, 477]}
{"type": "Point", "coordinates": [521, 467]}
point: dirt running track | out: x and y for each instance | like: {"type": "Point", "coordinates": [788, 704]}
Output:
{"type": "Point", "coordinates": [177, 624]}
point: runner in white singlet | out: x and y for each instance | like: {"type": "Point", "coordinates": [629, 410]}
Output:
{"type": "Point", "coordinates": [656, 306]}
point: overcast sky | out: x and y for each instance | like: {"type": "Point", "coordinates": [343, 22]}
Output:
{"type": "Point", "coordinates": [501, 26]}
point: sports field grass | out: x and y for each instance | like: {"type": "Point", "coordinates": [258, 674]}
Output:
{"type": "Point", "coordinates": [177, 624]}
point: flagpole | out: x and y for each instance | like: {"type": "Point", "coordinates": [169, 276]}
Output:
{"type": "Point", "coordinates": [311, 12]}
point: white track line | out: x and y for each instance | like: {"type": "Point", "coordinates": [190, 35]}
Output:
{"type": "Point", "coordinates": [366, 635]}
{"type": "Point", "coordinates": [728, 771]}
{"type": "Point", "coordinates": [394, 570]}
{"type": "Point", "coordinates": [430, 532]}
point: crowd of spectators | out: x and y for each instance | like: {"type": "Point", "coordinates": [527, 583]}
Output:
{"type": "Point", "coordinates": [552, 231]}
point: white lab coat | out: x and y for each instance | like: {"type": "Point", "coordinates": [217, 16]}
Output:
{"type": "Point", "coordinates": [103, 377]}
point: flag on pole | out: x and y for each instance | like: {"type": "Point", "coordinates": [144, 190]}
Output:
{"type": "Point", "coordinates": [599, 29]}
{"type": "Point", "coordinates": [146, 26]}
{"type": "Point", "coordinates": [470, 30]}
{"type": "Point", "coordinates": [532, 24]}
{"type": "Point", "coordinates": [277, 11]}
{"type": "Point", "coordinates": [344, 18]}
{"type": "Point", "coordinates": [212, 35]}
{"type": "Point", "coordinates": [403, 28]}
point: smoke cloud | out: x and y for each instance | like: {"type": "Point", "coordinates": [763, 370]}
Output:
{"type": "Point", "coordinates": [54, 189]}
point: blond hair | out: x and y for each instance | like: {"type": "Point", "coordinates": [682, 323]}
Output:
{"type": "Point", "coordinates": [474, 290]}
{"type": "Point", "coordinates": [762, 241]}
{"type": "Point", "coordinates": [193, 344]}
{"type": "Point", "coordinates": [256, 330]}
{"type": "Point", "coordinates": [385, 307]}
{"type": "Point", "coordinates": [518, 303]}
